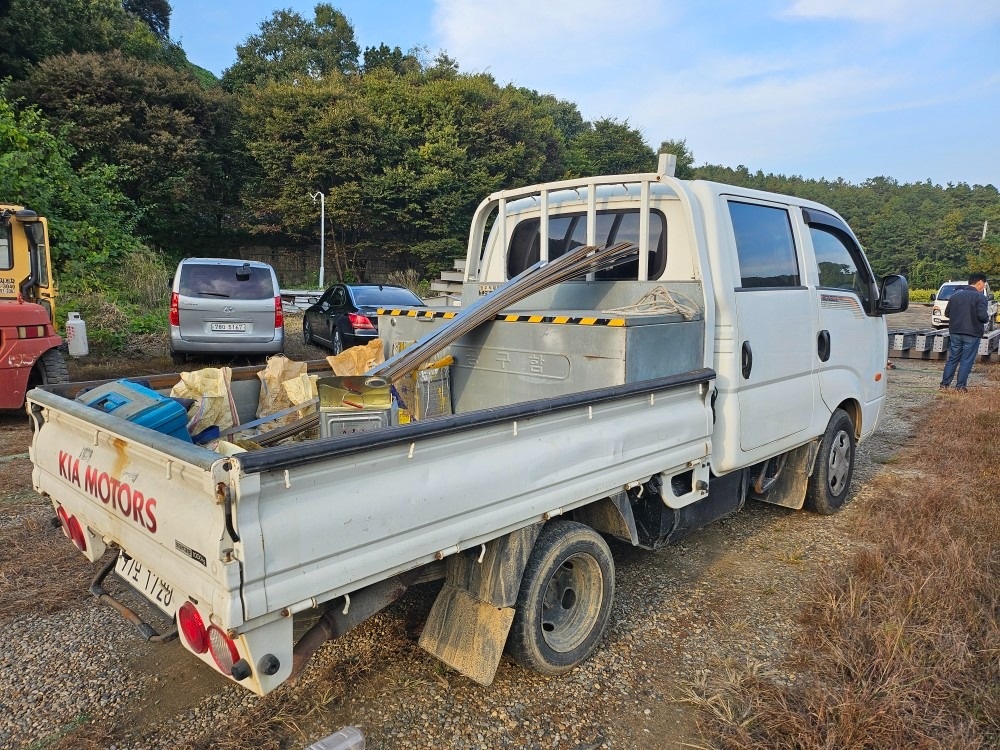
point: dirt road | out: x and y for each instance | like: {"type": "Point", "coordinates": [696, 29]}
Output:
{"type": "Point", "coordinates": [728, 595]}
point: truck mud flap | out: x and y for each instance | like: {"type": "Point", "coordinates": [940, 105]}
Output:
{"type": "Point", "coordinates": [147, 631]}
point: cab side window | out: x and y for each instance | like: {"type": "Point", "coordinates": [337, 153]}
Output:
{"type": "Point", "coordinates": [838, 268]}
{"type": "Point", "coordinates": [765, 246]}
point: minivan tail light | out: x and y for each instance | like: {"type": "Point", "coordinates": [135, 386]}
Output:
{"type": "Point", "coordinates": [279, 313]}
{"type": "Point", "coordinates": [175, 313]}
{"type": "Point", "coordinates": [357, 321]}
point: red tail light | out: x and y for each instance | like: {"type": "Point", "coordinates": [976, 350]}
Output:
{"type": "Point", "coordinates": [358, 321]}
{"type": "Point", "coordinates": [175, 314]}
{"type": "Point", "coordinates": [72, 529]}
{"type": "Point", "coordinates": [279, 313]}
{"type": "Point", "coordinates": [223, 650]}
{"type": "Point", "coordinates": [190, 624]}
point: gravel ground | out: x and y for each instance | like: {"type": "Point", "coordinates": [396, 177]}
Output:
{"type": "Point", "coordinates": [727, 596]}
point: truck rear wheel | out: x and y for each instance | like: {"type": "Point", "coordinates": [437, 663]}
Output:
{"type": "Point", "coordinates": [564, 603]}
{"type": "Point", "coordinates": [49, 369]}
{"type": "Point", "coordinates": [831, 479]}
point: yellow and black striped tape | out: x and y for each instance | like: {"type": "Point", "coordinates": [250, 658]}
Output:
{"type": "Point", "coordinates": [558, 319]}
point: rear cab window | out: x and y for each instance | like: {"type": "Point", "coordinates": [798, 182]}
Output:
{"type": "Point", "coordinates": [569, 231]}
{"type": "Point", "coordinates": [225, 281]}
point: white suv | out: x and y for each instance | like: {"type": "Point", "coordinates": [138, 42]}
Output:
{"type": "Point", "coordinates": [939, 312]}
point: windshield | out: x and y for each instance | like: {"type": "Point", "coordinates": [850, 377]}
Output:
{"type": "Point", "coordinates": [203, 280]}
{"type": "Point", "coordinates": [387, 296]}
{"type": "Point", "coordinates": [948, 290]}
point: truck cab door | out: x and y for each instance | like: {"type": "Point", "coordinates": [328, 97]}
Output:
{"type": "Point", "coordinates": [856, 345]}
{"type": "Point", "coordinates": [776, 325]}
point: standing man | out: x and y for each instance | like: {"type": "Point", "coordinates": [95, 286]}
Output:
{"type": "Point", "coordinates": [968, 313]}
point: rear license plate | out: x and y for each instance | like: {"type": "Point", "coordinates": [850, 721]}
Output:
{"type": "Point", "coordinates": [235, 327]}
{"type": "Point", "coordinates": [146, 582]}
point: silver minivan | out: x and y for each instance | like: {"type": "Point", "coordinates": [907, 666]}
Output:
{"type": "Point", "coordinates": [225, 306]}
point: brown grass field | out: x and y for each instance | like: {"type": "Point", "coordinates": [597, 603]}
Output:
{"type": "Point", "coordinates": [903, 649]}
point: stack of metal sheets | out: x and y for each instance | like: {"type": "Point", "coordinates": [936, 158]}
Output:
{"type": "Point", "coordinates": [544, 274]}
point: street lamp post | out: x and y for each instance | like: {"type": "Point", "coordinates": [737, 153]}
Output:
{"type": "Point", "coordinates": [322, 232]}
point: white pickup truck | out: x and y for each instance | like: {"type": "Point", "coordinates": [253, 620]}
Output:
{"type": "Point", "coordinates": [741, 354]}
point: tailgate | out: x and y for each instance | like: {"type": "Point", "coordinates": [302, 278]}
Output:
{"type": "Point", "coordinates": [161, 500]}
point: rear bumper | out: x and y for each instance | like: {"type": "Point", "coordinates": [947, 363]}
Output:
{"type": "Point", "coordinates": [227, 345]}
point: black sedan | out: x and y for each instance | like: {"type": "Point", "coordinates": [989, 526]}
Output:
{"type": "Point", "coordinates": [347, 314]}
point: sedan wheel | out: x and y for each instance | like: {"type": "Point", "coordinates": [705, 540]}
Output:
{"type": "Point", "coordinates": [307, 334]}
{"type": "Point", "coordinates": [338, 343]}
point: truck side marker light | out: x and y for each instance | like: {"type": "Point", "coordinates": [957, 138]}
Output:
{"type": "Point", "coordinates": [347, 603]}
{"type": "Point", "coordinates": [413, 447]}
{"type": "Point", "coordinates": [482, 553]}
{"type": "Point", "coordinates": [878, 376]}
{"type": "Point", "coordinates": [515, 428]}
{"type": "Point", "coordinates": [223, 650]}
{"type": "Point", "coordinates": [652, 399]}
{"type": "Point", "coordinates": [590, 412]}
{"type": "Point", "coordinates": [288, 480]}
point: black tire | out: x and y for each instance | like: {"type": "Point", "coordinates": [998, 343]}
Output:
{"type": "Point", "coordinates": [337, 343]}
{"type": "Point", "coordinates": [49, 369]}
{"type": "Point", "coordinates": [307, 334]}
{"type": "Point", "coordinates": [830, 483]}
{"type": "Point", "coordinates": [564, 603]}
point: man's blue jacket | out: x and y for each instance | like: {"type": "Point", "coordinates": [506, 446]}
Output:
{"type": "Point", "coordinates": [968, 312]}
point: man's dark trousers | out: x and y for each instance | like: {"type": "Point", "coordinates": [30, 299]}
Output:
{"type": "Point", "coordinates": [962, 351]}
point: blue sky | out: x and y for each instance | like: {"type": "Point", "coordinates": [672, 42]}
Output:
{"type": "Point", "coordinates": [908, 89]}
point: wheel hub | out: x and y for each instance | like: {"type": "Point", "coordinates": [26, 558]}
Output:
{"type": "Point", "coordinates": [572, 603]}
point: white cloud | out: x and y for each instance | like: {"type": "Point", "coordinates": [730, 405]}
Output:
{"type": "Point", "coordinates": [899, 14]}
{"type": "Point", "coordinates": [523, 40]}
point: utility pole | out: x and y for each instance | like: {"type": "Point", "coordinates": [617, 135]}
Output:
{"type": "Point", "coordinates": [322, 232]}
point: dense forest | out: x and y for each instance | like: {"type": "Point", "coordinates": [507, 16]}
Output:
{"type": "Point", "coordinates": [139, 157]}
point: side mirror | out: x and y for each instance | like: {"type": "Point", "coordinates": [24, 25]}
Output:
{"type": "Point", "coordinates": [933, 296]}
{"type": "Point", "coordinates": [894, 294]}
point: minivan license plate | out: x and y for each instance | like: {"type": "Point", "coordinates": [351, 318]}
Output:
{"type": "Point", "coordinates": [237, 327]}
{"type": "Point", "coordinates": [146, 582]}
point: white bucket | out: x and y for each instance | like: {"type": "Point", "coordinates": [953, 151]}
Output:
{"type": "Point", "coordinates": [76, 335]}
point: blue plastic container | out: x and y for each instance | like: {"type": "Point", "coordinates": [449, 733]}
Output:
{"type": "Point", "coordinates": [141, 405]}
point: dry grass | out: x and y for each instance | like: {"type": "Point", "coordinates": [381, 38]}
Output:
{"type": "Point", "coordinates": [904, 650]}
{"type": "Point", "coordinates": [40, 570]}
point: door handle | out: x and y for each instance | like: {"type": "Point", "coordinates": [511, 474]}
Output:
{"type": "Point", "coordinates": [747, 360]}
{"type": "Point", "coordinates": [823, 345]}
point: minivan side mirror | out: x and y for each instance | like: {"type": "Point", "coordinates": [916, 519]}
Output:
{"type": "Point", "coordinates": [894, 294]}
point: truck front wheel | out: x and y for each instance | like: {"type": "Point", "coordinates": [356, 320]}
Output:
{"type": "Point", "coordinates": [564, 603]}
{"type": "Point", "coordinates": [831, 478]}
{"type": "Point", "coordinates": [49, 369]}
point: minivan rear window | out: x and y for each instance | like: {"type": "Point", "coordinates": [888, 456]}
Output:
{"type": "Point", "coordinates": [225, 282]}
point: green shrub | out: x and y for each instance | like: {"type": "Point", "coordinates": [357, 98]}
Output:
{"type": "Point", "coordinates": [921, 296]}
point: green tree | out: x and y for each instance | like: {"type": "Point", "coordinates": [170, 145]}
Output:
{"type": "Point", "coordinates": [91, 222]}
{"type": "Point", "coordinates": [608, 147]}
{"type": "Point", "coordinates": [685, 158]}
{"type": "Point", "coordinates": [154, 13]}
{"type": "Point", "coordinates": [403, 160]}
{"type": "Point", "coordinates": [172, 138]}
{"type": "Point", "coordinates": [34, 30]}
{"type": "Point", "coordinates": [291, 48]}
